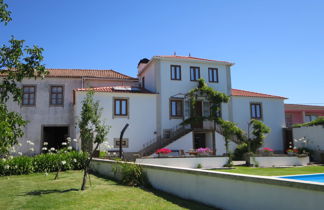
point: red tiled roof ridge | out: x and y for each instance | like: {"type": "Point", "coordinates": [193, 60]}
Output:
{"type": "Point", "coordinates": [245, 93]}
{"type": "Point", "coordinates": [190, 57]}
{"type": "Point", "coordinates": [79, 73]}
{"type": "Point", "coordinates": [103, 73]}
{"type": "Point", "coordinates": [303, 106]}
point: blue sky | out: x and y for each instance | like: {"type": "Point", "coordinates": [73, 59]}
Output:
{"type": "Point", "coordinates": [278, 46]}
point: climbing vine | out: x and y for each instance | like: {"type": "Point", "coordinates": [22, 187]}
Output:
{"type": "Point", "coordinates": [214, 97]}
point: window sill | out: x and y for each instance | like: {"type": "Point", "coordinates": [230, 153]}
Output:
{"type": "Point", "coordinates": [52, 105]}
{"type": "Point", "coordinates": [120, 116]}
{"type": "Point", "coordinates": [176, 117]}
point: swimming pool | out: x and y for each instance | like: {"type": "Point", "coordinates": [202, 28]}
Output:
{"type": "Point", "coordinates": [311, 177]}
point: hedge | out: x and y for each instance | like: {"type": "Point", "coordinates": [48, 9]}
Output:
{"type": "Point", "coordinates": [49, 162]}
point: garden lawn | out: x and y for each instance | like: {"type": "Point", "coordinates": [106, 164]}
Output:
{"type": "Point", "coordinates": [37, 191]}
{"type": "Point", "coordinates": [276, 171]}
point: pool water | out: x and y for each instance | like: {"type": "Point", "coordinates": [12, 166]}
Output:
{"type": "Point", "coordinates": [311, 177]}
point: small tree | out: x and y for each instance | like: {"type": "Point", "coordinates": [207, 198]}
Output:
{"type": "Point", "coordinates": [16, 63]}
{"type": "Point", "coordinates": [92, 130]}
{"type": "Point", "coordinates": [259, 132]}
{"type": "Point", "coordinates": [230, 130]}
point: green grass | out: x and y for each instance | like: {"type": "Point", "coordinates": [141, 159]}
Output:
{"type": "Point", "coordinates": [38, 191]}
{"type": "Point", "coordinates": [276, 171]}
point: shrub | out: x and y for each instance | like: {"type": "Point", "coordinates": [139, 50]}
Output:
{"type": "Point", "coordinates": [131, 174]}
{"type": "Point", "coordinates": [42, 163]}
{"type": "Point", "coordinates": [318, 121]}
{"type": "Point", "coordinates": [240, 150]}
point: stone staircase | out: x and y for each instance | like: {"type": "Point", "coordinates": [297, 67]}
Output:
{"type": "Point", "coordinates": [174, 134]}
{"type": "Point", "coordinates": [161, 141]}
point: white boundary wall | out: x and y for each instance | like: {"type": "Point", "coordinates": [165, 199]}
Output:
{"type": "Point", "coordinates": [186, 162]}
{"type": "Point", "coordinates": [315, 139]}
{"type": "Point", "coordinates": [226, 190]}
{"type": "Point", "coordinates": [272, 161]}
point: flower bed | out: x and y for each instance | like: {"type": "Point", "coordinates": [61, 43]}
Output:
{"type": "Point", "coordinates": [278, 160]}
{"type": "Point", "coordinates": [187, 162]}
{"type": "Point", "coordinates": [42, 163]}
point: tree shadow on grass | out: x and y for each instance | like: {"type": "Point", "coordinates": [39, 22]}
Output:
{"type": "Point", "coordinates": [188, 204]}
{"type": "Point", "coordinates": [44, 192]}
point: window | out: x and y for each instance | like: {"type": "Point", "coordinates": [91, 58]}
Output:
{"type": "Point", "coordinates": [207, 110]}
{"type": "Point", "coordinates": [124, 143]}
{"type": "Point", "coordinates": [175, 72]}
{"type": "Point", "coordinates": [194, 73]}
{"type": "Point", "coordinates": [29, 93]}
{"type": "Point", "coordinates": [176, 108]}
{"type": "Point", "coordinates": [310, 118]}
{"type": "Point", "coordinates": [213, 74]}
{"type": "Point", "coordinates": [289, 120]}
{"type": "Point", "coordinates": [143, 82]}
{"type": "Point", "coordinates": [56, 95]}
{"type": "Point", "coordinates": [120, 107]}
{"type": "Point", "coordinates": [256, 110]}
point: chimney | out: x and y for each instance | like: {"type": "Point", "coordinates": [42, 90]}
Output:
{"type": "Point", "coordinates": [141, 64]}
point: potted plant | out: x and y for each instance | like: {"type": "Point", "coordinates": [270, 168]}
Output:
{"type": "Point", "coordinates": [266, 151]}
{"type": "Point", "coordinates": [163, 152]}
{"type": "Point", "coordinates": [292, 151]}
{"type": "Point", "coordinates": [203, 151]}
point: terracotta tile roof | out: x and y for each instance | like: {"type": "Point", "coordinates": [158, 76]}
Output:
{"type": "Point", "coordinates": [78, 73]}
{"type": "Point", "coordinates": [244, 93]}
{"type": "Point", "coordinates": [192, 58]}
{"type": "Point", "coordinates": [118, 89]}
{"type": "Point", "coordinates": [303, 107]}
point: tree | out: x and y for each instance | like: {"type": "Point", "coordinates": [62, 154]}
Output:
{"type": "Point", "coordinates": [17, 62]}
{"type": "Point", "coordinates": [259, 131]}
{"type": "Point", "coordinates": [92, 130]}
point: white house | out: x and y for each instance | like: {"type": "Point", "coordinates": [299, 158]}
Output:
{"type": "Point", "coordinates": [156, 110]}
{"type": "Point", "coordinates": [154, 105]}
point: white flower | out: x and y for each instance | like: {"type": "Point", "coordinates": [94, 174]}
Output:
{"type": "Point", "coordinates": [63, 162]}
{"type": "Point", "coordinates": [20, 153]}
{"type": "Point", "coordinates": [114, 153]}
{"type": "Point", "coordinates": [74, 160]}
{"type": "Point", "coordinates": [69, 148]}
{"type": "Point", "coordinates": [4, 159]}
{"type": "Point", "coordinates": [52, 149]}
{"type": "Point", "coordinates": [45, 143]}
{"type": "Point", "coordinates": [10, 157]}
{"type": "Point", "coordinates": [6, 167]}
{"type": "Point", "coordinates": [44, 148]}
{"type": "Point", "coordinates": [68, 139]}
{"type": "Point", "coordinates": [46, 174]}
{"type": "Point", "coordinates": [30, 142]}
{"type": "Point", "coordinates": [19, 144]}
{"type": "Point", "coordinates": [31, 149]}
{"type": "Point", "coordinates": [64, 143]}
{"type": "Point", "coordinates": [75, 140]}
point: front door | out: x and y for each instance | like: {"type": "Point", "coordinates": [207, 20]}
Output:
{"type": "Point", "coordinates": [55, 135]}
{"type": "Point", "coordinates": [198, 113]}
{"type": "Point", "coordinates": [199, 140]}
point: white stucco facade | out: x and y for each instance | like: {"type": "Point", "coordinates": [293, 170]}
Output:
{"type": "Point", "coordinates": [141, 117]}
{"type": "Point", "coordinates": [149, 114]}
{"type": "Point", "coordinates": [272, 116]}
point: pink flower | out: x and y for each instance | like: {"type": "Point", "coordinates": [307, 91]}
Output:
{"type": "Point", "coordinates": [267, 149]}
{"type": "Point", "coordinates": [203, 150]}
{"type": "Point", "coordinates": [163, 151]}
